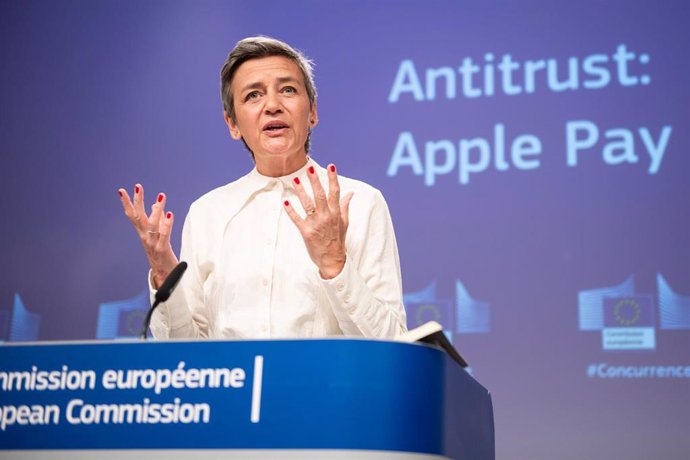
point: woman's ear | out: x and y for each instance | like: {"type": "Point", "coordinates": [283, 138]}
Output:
{"type": "Point", "coordinates": [232, 127]}
{"type": "Point", "coordinates": [314, 115]}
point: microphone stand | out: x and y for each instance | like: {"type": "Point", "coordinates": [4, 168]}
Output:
{"type": "Point", "coordinates": [163, 294]}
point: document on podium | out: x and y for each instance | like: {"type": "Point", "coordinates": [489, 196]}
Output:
{"type": "Point", "coordinates": [432, 334]}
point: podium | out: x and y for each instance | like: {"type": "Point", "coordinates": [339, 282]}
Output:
{"type": "Point", "coordinates": [338, 398]}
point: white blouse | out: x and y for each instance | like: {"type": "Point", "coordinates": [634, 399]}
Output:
{"type": "Point", "coordinates": [249, 274]}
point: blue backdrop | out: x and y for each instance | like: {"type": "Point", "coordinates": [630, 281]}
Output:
{"type": "Point", "coordinates": [534, 156]}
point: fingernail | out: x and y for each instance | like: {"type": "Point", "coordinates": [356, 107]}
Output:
{"type": "Point", "coordinates": [311, 170]}
{"type": "Point", "coordinates": [296, 179]}
{"type": "Point", "coordinates": [120, 192]}
{"type": "Point", "coordinates": [168, 215]}
{"type": "Point", "coordinates": [160, 197]}
{"type": "Point", "coordinates": [287, 203]}
{"type": "Point", "coordinates": [332, 168]}
{"type": "Point", "coordinates": [136, 189]}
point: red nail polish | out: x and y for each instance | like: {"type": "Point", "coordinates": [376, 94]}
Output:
{"type": "Point", "coordinates": [160, 197]}
{"type": "Point", "coordinates": [120, 193]}
{"type": "Point", "coordinates": [287, 203]}
{"type": "Point", "coordinates": [296, 179]}
{"type": "Point", "coordinates": [332, 168]}
{"type": "Point", "coordinates": [311, 170]}
{"type": "Point", "coordinates": [136, 189]}
{"type": "Point", "coordinates": [168, 215]}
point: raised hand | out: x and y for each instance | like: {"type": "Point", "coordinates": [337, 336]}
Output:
{"type": "Point", "coordinates": [325, 224]}
{"type": "Point", "coordinates": [153, 230]}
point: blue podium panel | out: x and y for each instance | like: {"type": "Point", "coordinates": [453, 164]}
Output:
{"type": "Point", "coordinates": [207, 397]}
{"type": "Point", "coordinates": [213, 454]}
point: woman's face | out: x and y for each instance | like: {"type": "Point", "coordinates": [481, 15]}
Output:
{"type": "Point", "coordinates": [272, 113]}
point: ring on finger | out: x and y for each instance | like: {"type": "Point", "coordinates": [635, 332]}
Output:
{"type": "Point", "coordinates": [311, 211]}
{"type": "Point", "coordinates": [151, 232]}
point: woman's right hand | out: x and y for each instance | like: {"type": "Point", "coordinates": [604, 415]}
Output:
{"type": "Point", "coordinates": [153, 230]}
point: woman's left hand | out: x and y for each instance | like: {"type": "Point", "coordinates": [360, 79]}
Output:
{"type": "Point", "coordinates": [325, 225]}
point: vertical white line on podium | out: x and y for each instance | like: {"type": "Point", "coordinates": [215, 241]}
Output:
{"type": "Point", "coordinates": [256, 388]}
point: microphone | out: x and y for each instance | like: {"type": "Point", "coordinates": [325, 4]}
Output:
{"type": "Point", "coordinates": [163, 294]}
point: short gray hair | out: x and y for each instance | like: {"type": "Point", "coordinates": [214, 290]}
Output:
{"type": "Point", "coordinates": [260, 47]}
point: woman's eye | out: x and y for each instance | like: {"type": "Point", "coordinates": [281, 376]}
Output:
{"type": "Point", "coordinates": [252, 95]}
{"type": "Point", "coordinates": [289, 89]}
